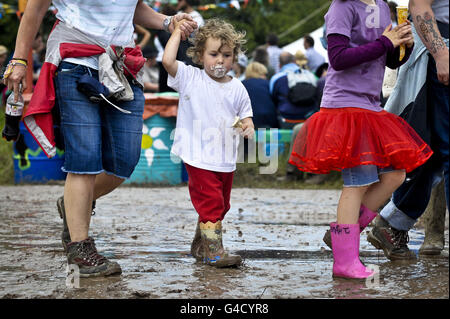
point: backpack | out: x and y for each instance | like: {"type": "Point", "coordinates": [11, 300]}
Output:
{"type": "Point", "coordinates": [302, 88]}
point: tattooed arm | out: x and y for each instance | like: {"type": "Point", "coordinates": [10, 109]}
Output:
{"type": "Point", "coordinates": [426, 26]}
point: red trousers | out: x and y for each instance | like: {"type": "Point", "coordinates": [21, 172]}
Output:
{"type": "Point", "coordinates": [210, 193]}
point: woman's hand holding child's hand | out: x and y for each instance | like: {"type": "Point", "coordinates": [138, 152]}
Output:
{"type": "Point", "coordinates": [184, 23]}
{"type": "Point", "coordinates": [178, 25]}
{"type": "Point", "coordinates": [401, 34]}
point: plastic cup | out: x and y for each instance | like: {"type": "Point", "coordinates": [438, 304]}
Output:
{"type": "Point", "coordinates": [402, 17]}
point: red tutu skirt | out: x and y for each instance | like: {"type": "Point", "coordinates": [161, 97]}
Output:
{"type": "Point", "coordinates": [334, 139]}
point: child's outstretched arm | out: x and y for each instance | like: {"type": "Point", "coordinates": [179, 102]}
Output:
{"type": "Point", "coordinates": [169, 59]}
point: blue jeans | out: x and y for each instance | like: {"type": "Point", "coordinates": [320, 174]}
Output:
{"type": "Point", "coordinates": [97, 137]}
{"type": "Point", "coordinates": [410, 200]}
{"type": "Point", "coordinates": [363, 175]}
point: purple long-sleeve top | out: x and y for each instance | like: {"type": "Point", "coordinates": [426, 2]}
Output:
{"type": "Point", "coordinates": [342, 57]}
{"type": "Point", "coordinates": [358, 54]}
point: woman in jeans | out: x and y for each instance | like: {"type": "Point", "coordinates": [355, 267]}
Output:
{"type": "Point", "coordinates": [102, 143]}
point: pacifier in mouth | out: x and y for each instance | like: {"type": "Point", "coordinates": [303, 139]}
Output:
{"type": "Point", "coordinates": [219, 71]}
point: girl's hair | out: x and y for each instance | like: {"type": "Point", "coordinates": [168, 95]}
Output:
{"type": "Point", "coordinates": [216, 29]}
{"type": "Point", "coordinates": [255, 70]}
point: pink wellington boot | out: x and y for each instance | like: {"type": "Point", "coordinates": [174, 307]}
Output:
{"type": "Point", "coordinates": [345, 243]}
{"type": "Point", "coordinates": [365, 217]}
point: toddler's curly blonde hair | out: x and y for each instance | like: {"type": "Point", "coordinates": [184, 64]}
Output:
{"type": "Point", "coordinates": [216, 29]}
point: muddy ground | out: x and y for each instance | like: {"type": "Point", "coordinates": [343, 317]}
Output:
{"type": "Point", "coordinates": [149, 231]}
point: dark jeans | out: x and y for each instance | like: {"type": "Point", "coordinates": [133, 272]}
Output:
{"type": "Point", "coordinates": [413, 196]}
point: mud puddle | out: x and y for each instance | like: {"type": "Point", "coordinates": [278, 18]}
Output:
{"type": "Point", "coordinates": [149, 231]}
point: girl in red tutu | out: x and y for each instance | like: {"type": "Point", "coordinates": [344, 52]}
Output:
{"type": "Point", "coordinates": [351, 133]}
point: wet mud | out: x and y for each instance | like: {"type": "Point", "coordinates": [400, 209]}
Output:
{"type": "Point", "coordinates": [149, 232]}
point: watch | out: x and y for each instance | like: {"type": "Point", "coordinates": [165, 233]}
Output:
{"type": "Point", "coordinates": [166, 23]}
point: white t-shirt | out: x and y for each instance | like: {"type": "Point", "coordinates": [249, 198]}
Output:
{"type": "Point", "coordinates": [110, 22]}
{"type": "Point", "coordinates": [204, 137]}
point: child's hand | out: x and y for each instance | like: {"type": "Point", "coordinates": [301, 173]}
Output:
{"type": "Point", "coordinates": [184, 23]}
{"type": "Point", "coordinates": [409, 35]}
{"type": "Point", "coordinates": [401, 34]}
{"type": "Point", "coordinates": [248, 129]}
{"type": "Point", "coordinates": [177, 25]}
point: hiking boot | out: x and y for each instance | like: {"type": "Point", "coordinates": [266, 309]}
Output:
{"type": "Point", "coordinates": [90, 262]}
{"type": "Point", "coordinates": [212, 248]}
{"type": "Point", "coordinates": [196, 246]}
{"type": "Point", "coordinates": [392, 241]}
{"type": "Point", "coordinates": [65, 235]}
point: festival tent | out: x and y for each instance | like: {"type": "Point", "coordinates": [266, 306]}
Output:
{"type": "Point", "coordinates": [298, 44]}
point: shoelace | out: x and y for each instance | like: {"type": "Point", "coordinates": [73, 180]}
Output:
{"type": "Point", "coordinates": [401, 238]}
{"type": "Point", "coordinates": [88, 248]}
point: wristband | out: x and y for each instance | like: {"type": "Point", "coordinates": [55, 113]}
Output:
{"type": "Point", "coordinates": [10, 68]}
{"type": "Point", "coordinates": [17, 59]}
{"type": "Point", "coordinates": [18, 62]}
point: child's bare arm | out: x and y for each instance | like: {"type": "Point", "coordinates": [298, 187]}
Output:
{"type": "Point", "coordinates": [169, 60]}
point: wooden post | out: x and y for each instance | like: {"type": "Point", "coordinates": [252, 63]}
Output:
{"type": "Point", "coordinates": [21, 6]}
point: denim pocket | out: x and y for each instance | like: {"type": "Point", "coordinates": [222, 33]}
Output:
{"type": "Point", "coordinates": [69, 68]}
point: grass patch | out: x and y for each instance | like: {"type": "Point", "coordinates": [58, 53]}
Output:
{"type": "Point", "coordinates": [248, 175]}
{"type": "Point", "coordinates": [6, 153]}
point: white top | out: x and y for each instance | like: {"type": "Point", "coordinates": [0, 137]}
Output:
{"type": "Point", "coordinates": [109, 22]}
{"type": "Point", "coordinates": [204, 137]}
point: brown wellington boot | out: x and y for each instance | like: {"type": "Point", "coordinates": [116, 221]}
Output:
{"type": "Point", "coordinates": [434, 218]}
{"type": "Point", "coordinates": [196, 246]}
{"type": "Point", "coordinates": [213, 252]}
